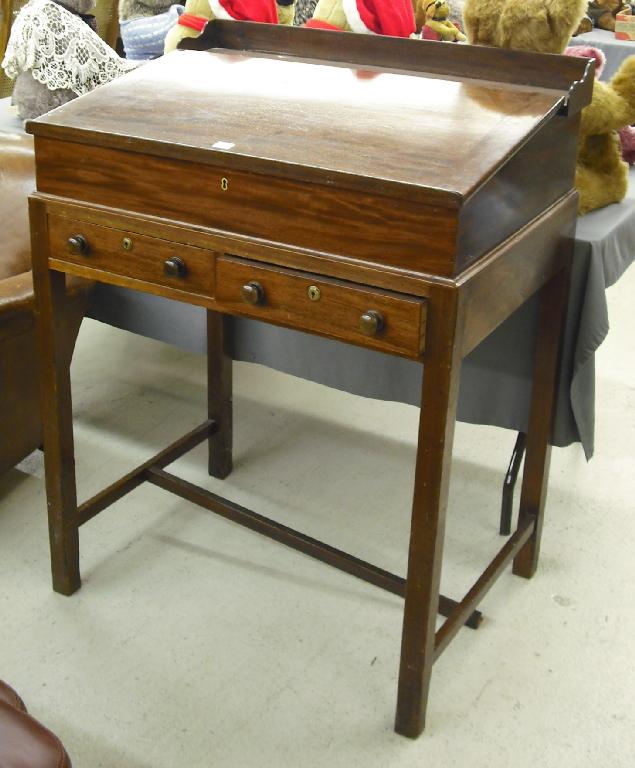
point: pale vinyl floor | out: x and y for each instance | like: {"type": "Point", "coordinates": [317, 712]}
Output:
{"type": "Point", "coordinates": [196, 643]}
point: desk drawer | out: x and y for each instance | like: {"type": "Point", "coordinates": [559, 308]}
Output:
{"type": "Point", "coordinates": [385, 321]}
{"type": "Point", "coordinates": [148, 259]}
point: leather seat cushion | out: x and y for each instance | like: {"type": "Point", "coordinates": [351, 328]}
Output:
{"type": "Point", "coordinates": [25, 743]}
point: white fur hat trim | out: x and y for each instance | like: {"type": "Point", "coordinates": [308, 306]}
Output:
{"type": "Point", "coordinates": [354, 19]}
{"type": "Point", "coordinates": [219, 10]}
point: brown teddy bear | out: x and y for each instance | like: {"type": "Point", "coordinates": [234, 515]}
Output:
{"type": "Point", "coordinates": [546, 26]}
{"type": "Point", "coordinates": [603, 12]}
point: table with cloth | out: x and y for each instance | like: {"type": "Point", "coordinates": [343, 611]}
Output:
{"type": "Point", "coordinates": [615, 50]}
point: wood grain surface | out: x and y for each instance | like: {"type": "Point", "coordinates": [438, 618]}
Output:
{"type": "Point", "coordinates": [336, 313]}
{"type": "Point", "coordinates": [311, 121]}
{"type": "Point", "coordinates": [322, 218]}
{"type": "Point", "coordinates": [144, 259]}
{"type": "Point", "coordinates": [446, 177]}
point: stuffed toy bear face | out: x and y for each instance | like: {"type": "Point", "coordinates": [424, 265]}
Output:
{"type": "Point", "coordinates": [434, 9]}
{"type": "Point", "coordinates": [454, 11]}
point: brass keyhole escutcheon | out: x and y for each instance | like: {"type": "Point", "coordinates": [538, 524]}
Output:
{"type": "Point", "coordinates": [224, 184]}
{"type": "Point", "coordinates": [314, 292]}
{"type": "Point", "coordinates": [126, 243]}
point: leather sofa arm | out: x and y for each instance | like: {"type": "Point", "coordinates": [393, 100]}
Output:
{"type": "Point", "coordinates": [17, 301]}
{"type": "Point", "coordinates": [25, 741]}
{"type": "Point", "coordinates": [16, 294]}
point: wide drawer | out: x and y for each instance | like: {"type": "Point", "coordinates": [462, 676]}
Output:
{"type": "Point", "coordinates": [385, 321]}
{"type": "Point", "coordinates": [132, 256]}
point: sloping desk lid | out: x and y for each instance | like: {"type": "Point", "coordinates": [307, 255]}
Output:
{"type": "Point", "coordinates": [400, 130]}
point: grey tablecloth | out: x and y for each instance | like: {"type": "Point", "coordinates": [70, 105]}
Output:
{"type": "Point", "coordinates": [496, 376]}
{"type": "Point", "coordinates": [614, 50]}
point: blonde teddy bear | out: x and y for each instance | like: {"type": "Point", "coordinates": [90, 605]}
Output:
{"type": "Point", "coordinates": [434, 18]}
{"type": "Point", "coordinates": [378, 17]}
{"type": "Point", "coordinates": [601, 175]}
{"type": "Point", "coordinates": [198, 12]}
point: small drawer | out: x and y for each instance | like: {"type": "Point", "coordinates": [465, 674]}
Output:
{"type": "Point", "coordinates": [132, 256]}
{"type": "Point", "coordinates": [381, 320]}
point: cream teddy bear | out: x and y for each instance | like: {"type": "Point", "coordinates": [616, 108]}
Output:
{"type": "Point", "coordinates": [199, 12]}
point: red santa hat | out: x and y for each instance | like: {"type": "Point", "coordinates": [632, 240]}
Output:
{"type": "Point", "coordinates": [245, 10]}
{"type": "Point", "coordinates": [380, 17]}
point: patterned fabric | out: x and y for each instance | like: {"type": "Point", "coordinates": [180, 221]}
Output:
{"type": "Point", "coordinates": [144, 37]}
{"type": "Point", "coordinates": [59, 50]}
{"type": "Point", "coordinates": [303, 11]}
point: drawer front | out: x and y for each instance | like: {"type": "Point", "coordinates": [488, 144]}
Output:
{"type": "Point", "coordinates": [372, 318]}
{"type": "Point", "coordinates": [139, 257]}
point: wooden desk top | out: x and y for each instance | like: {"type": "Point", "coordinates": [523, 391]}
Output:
{"type": "Point", "coordinates": [428, 132]}
{"type": "Point", "coordinates": [404, 153]}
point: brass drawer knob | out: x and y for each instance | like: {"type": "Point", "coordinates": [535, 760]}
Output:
{"type": "Point", "coordinates": [78, 245]}
{"type": "Point", "coordinates": [174, 267]}
{"type": "Point", "coordinates": [371, 323]}
{"type": "Point", "coordinates": [253, 293]}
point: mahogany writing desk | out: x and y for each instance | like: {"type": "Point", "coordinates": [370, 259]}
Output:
{"type": "Point", "coordinates": [400, 195]}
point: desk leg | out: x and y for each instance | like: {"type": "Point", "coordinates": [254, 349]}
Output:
{"type": "Point", "coordinates": [56, 409]}
{"type": "Point", "coordinates": [436, 431]}
{"type": "Point", "coordinates": [219, 394]}
{"type": "Point", "coordinates": [553, 307]}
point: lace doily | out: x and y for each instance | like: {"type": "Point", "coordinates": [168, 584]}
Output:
{"type": "Point", "coordinates": [60, 49]}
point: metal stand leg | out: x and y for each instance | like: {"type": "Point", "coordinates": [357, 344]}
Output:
{"type": "Point", "coordinates": [509, 484]}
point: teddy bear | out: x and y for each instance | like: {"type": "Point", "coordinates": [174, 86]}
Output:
{"type": "Point", "coordinates": [601, 175]}
{"type": "Point", "coordinates": [54, 54]}
{"type": "Point", "coordinates": [379, 17]}
{"type": "Point", "coordinates": [603, 12]}
{"type": "Point", "coordinates": [586, 25]}
{"type": "Point", "coordinates": [198, 12]}
{"type": "Point", "coordinates": [433, 18]}
{"type": "Point", "coordinates": [627, 133]}
{"type": "Point", "coordinates": [144, 25]}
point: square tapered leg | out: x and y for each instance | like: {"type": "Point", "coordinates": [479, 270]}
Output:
{"type": "Point", "coordinates": [436, 431]}
{"type": "Point", "coordinates": [219, 394]}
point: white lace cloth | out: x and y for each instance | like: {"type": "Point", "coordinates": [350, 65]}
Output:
{"type": "Point", "coordinates": [60, 49]}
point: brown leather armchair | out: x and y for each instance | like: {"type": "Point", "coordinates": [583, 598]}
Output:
{"type": "Point", "coordinates": [25, 743]}
{"type": "Point", "coordinates": [20, 426]}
